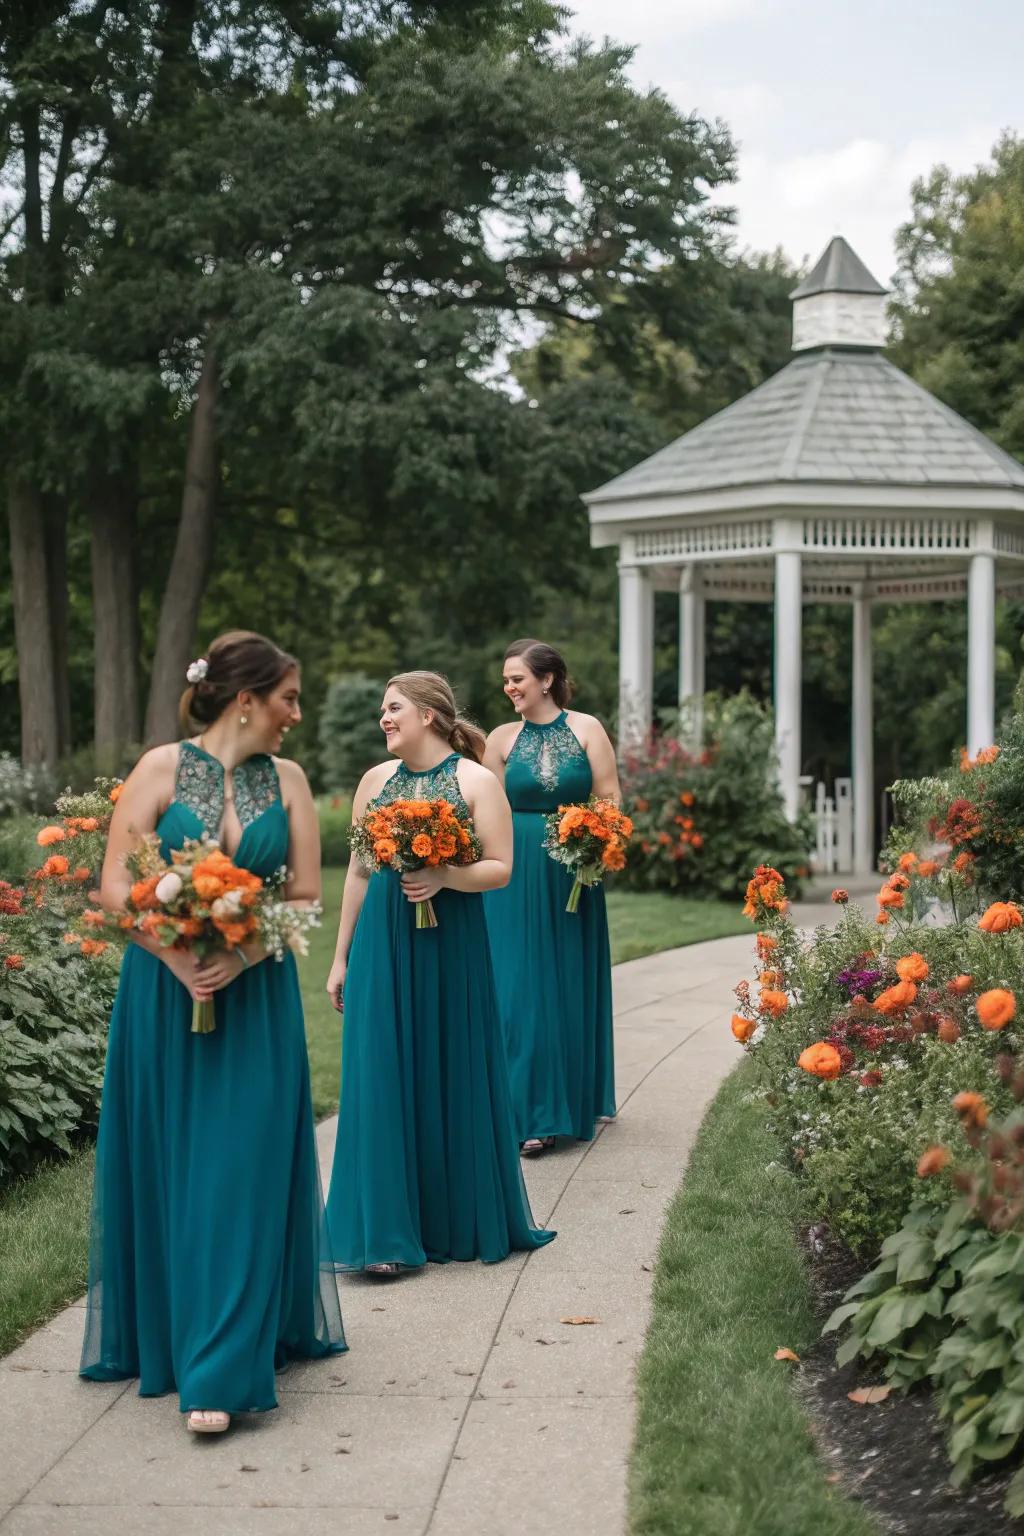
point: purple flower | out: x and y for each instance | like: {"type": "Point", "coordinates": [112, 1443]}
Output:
{"type": "Point", "coordinates": [858, 979]}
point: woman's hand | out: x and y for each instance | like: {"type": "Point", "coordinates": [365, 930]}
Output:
{"type": "Point", "coordinates": [216, 972]}
{"type": "Point", "coordinates": [336, 985]}
{"type": "Point", "coordinates": [422, 884]}
{"type": "Point", "coordinates": [183, 964]}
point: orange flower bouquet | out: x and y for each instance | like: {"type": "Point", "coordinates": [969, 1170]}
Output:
{"type": "Point", "coordinates": [204, 902]}
{"type": "Point", "coordinates": [411, 834]}
{"type": "Point", "coordinates": [589, 840]}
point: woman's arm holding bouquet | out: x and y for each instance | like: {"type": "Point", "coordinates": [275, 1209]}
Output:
{"type": "Point", "coordinates": [492, 822]}
{"type": "Point", "coordinates": [596, 743]}
{"type": "Point", "coordinates": [144, 796]}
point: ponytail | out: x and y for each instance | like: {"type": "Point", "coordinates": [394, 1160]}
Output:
{"type": "Point", "coordinates": [468, 739]}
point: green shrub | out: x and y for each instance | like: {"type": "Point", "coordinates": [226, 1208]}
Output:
{"type": "Point", "coordinates": [19, 852]}
{"type": "Point", "coordinates": [335, 812]}
{"type": "Point", "coordinates": [350, 736]}
{"type": "Point", "coordinates": [703, 820]}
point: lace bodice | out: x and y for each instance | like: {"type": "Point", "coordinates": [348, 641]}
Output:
{"type": "Point", "coordinates": [440, 783]}
{"type": "Point", "coordinates": [199, 785]}
{"type": "Point", "coordinates": [547, 767]}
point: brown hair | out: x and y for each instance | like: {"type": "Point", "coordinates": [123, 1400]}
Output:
{"type": "Point", "coordinates": [238, 661]}
{"type": "Point", "coordinates": [543, 659]}
{"type": "Point", "coordinates": [429, 690]}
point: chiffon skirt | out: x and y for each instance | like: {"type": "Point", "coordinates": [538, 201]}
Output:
{"type": "Point", "coordinates": [426, 1164]}
{"type": "Point", "coordinates": [208, 1264]}
{"type": "Point", "coordinates": [552, 970]}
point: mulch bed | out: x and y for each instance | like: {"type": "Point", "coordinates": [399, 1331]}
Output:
{"type": "Point", "coordinates": [889, 1455]}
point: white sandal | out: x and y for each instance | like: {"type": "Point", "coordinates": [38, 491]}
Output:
{"type": "Point", "coordinates": [208, 1421]}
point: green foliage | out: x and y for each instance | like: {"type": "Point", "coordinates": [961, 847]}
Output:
{"type": "Point", "coordinates": [19, 852]}
{"type": "Point", "coordinates": [704, 820]}
{"type": "Point", "coordinates": [349, 733]}
{"type": "Point", "coordinates": [335, 814]}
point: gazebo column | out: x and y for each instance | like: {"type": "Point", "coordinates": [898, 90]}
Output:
{"type": "Point", "coordinates": [862, 733]}
{"type": "Point", "coordinates": [788, 639]}
{"type": "Point", "coordinates": [691, 647]}
{"type": "Point", "coordinates": [981, 642]}
{"type": "Point", "coordinates": [636, 651]}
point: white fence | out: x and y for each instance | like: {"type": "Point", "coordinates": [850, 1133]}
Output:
{"type": "Point", "coordinates": [833, 827]}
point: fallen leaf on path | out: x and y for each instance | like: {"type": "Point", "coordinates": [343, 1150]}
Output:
{"type": "Point", "coordinates": [869, 1394]}
{"type": "Point", "coordinates": [459, 1371]}
{"type": "Point", "coordinates": [506, 1384]}
{"type": "Point", "coordinates": [246, 1468]}
{"type": "Point", "coordinates": [578, 1322]}
{"type": "Point", "coordinates": [628, 1210]}
{"type": "Point", "coordinates": [543, 1341]}
{"type": "Point", "coordinates": [785, 1354]}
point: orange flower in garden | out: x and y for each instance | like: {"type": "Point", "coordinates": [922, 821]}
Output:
{"type": "Point", "coordinates": [996, 1008]}
{"type": "Point", "coordinates": [422, 846]}
{"type": "Point", "coordinates": [961, 984]}
{"type": "Point", "coordinates": [927, 868]}
{"type": "Point", "coordinates": [49, 835]}
{"type": "Point", "coordinates": [765, 890]}
{"type": "Point", "coordinates": [912, 967]}
{"type": "Point", "coordinates": [115, 793]}
{"type": "Point", "coordinates": [95, 919]}
{"type": "Point", "coordinates": [93, 946]}
{"type": "Point", "coordinates": [907, 862]}
{"type": "Point", "coordinates": [56, 866]}
{"type": "Point", "coordinates": [1000, 917]}
{"type": "Point", "coordinates": [766, 944]}
{"type": "Point", "coordinates": [889, 897]}
{"type": "Point", "coordinates": [770, 978]}
{"type": "Point", "coordinates": [82, 874]}
{"type": "Point", "coordinates": [742, 1028]}
{"type": "Point", "coordinates": [932, 1161]}
{"type": "Point", "coordinates": [143, 893]}
{"type": "Point", "coordinates": [882, 918]}
{"type": "Point", "coordinates": [664, 839]}
{"type": "Point", "coordinates": [14, 963]}
{"type": "Point", "coordinates": [963, 861]}
{"type": "Point", "coordinates": [895, 999]}
{"type": "Point", "coordinates": [643, 805]}
{"type": "Point", "coordinates": [774, 1002]}
{"type": "Point", "coordinates": [840, 897]}
{"type": "Point", "coordinates": [71, 938]}
{"type": "Point", "coordinates": [687, 797]}
{"type": "Point", "coordinates": [821, 1060]}
{"type": "Point", "coordinates": [948, 1030]}
{"type": "Point", "coordinates": [972, 1109]}
{"type": "Point", "coordinates": [696, 841]}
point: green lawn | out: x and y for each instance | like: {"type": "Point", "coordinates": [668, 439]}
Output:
{"type": "Point", "coordinates": [721, 1447]}
{"type": "Point", "coordinates": [44, 1220]}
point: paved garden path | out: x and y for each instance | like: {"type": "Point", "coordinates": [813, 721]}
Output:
{"type": "Point", "coordinates": [465, 1406]}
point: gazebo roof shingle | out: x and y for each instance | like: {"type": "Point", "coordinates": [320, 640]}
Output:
{"type": "Point", "coordinates": [828, 416]}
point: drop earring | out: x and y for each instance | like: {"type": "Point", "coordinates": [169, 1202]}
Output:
{"type": "Point", "coordinates": [245, 719]}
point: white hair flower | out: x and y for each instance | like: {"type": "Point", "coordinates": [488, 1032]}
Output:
{"type": "Point", "coordinates": [197, 670]}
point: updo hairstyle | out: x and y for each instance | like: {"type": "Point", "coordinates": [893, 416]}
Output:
{"type": "Point", "coordinates": [543, 660]}
{"type": "Point", "coordinates": [429, 690]}
{"type": "Point", "coordinates": [237, 662]}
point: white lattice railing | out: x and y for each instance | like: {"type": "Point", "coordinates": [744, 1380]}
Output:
{"type": "Point", "coordinates": [1008, 541]}
{"type": "Point", "coordinates": [693, 540]}
{"type": "Point", "coordinates": [887, 533]}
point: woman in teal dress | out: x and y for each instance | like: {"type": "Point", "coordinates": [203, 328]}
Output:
{"type": "Point", "coordinates": [426, 1165]}
{"type": "Point", "coordinates": [552, 968]}
{"type": "Point", "coordinates": [207, 1266]}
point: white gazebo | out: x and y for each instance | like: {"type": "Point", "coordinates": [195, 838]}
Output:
{"type": "Point", "coordinates": [839, 480]}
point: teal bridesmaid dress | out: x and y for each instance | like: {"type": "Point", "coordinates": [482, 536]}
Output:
{"type": "Point", "coordinates": [552, 968]}
{"type": "Point", "coordinates": [426, 1164]}
{"type": "Point", "coordinates": [207, 1266]}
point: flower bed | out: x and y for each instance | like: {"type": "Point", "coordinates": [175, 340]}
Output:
{"type": "Point", "coordinates": [701, 818]}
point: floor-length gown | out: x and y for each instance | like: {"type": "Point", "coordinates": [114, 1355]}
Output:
{"type": "Point", "coordinates": [426, 1164]}
{"type": "Point", "coordinates": [207, 1265]}
{"type": "Point", "coordinates": [552, 968]}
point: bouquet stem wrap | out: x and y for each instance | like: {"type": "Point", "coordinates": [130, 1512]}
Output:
{"type": "Point", "coordinates": [203, 1019]}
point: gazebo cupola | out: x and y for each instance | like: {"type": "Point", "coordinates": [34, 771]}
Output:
{"type": "Point", "coordinates": [839, 480]}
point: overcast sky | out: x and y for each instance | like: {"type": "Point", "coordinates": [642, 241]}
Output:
{"type": "Point", "coordinates": [837, 105]}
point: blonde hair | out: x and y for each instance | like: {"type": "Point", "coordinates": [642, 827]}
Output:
{"type": "Point", "coordinates": [429, 690]}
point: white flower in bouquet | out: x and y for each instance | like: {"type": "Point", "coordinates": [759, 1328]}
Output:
{"type": "Point", "coordinates": [169, 888]}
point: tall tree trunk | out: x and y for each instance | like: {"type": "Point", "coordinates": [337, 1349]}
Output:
{"type": "Point", "coordinates": [179, 611]}
{"type": "Point", "coordinates": [115, 607]}
{"type": "Point", "coordinates": [33, 630]}
{"type": "Point", "coordinates": [59, 604]}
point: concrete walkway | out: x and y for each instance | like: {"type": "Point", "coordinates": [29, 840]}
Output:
{"type": "Point", "coordinates": [466, 1405]}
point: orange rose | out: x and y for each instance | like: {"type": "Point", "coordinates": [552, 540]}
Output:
{"type": "Point", "coordinates": [613, 857]}
{"type": "Point", "coordinates": [93, 946]}
{"type": "Point", "coordinates": [115, 793]}
{"type": "Point", "coordinates": [963, 861]}
{"type": "Point", "coordinates": [996, 1008]}
{"type": "Point", "coordinates": [972, 1109]}
{"type": "Point", "coordinates": [696, 841]}
{"type": "Point", "coordinates": [840, 897]}
{"type": "Point", "coordinates": [888, 897]}
{"type": "Point", "coordinates": [742, 1028]}
{"type": "Point", "coordinates": [82, 874]}
{"type": "Point", "coordinates": [821, 1060]}
{"type": "Point", "coordinates": [56, 865]}
{"type": "Point", "coordinates": [932, 1161]}
{"type": "Point", "coordinates": [50, 835]}
{"type": "Point", "coordinates": [208, 887]}
{"type": "Point", "coordinates": [927, 868]}
{"type": "Point", "coordinates": [422, 846]}
{"type": "Point", "coordinates": [447, 846]}
{"type": "Point", "coordinates": [961, 984]}
{"type": "Point", "coordinates": [1000, 917]}
{"type": "Point", "coordinates": [895, 999]}
{"type": "Point", "coordinates": [912, 968]}
{"type": "Point", "coordinates": [907, 862]}
{"type": "Point", "coordinates": [881, 918]}
{"type": "Point", "coordinates": [234, 933]}
{"type": "Point", "coordinates": [95, 919]}
{"type": "Point", "coordinates": [766, 943]}
{"type": "Point", "coordinates": [774, 1002]}
{"type": "Point", "coordinates": [385, 849]}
